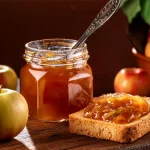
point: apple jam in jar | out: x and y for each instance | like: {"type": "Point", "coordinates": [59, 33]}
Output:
{"type": "Point", "coordinates": [54, 86]}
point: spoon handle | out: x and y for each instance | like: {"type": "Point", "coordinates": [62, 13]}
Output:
{"type": "Point", "coordinates": [109, 9]}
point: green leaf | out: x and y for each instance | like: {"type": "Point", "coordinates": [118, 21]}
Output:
{"type": "Point", "coordinates": [123, 2]}
{"type": "Point", "coordinates": [145, 12]}
{"type": "Point", "coordinates": [131, 8]}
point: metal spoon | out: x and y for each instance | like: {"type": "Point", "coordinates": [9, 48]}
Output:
{"type": "Point", "coordinates": [104, 15]}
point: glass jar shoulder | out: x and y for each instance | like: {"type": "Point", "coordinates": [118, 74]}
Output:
{"type": "Point", "coordinates": [30, 71]}
{"type": "Point", "coordinates": [81, 72]}
{"type": "Point", "coordinates": [56, 72]}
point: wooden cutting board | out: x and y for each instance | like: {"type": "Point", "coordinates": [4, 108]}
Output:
{"type": "Point", "coordinates": [55, 136]}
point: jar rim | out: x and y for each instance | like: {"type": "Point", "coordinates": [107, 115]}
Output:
{"type": "Point", "coordinates": [36, 45]}
{"type": "Point", "coordinates": [55, 50]}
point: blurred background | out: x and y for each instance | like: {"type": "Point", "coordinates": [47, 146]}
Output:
{"type": "Point", "coordinates": [24, 20]}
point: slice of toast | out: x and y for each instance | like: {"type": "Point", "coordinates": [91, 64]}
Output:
{"type": "Point", "coordinates": [123, 133]}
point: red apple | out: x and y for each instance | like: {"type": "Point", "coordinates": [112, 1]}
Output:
{"type": "Point", "coordinates": [13, 113]}
{"type": "Point", "coordinates": [8, 77]}
{"type": "Point", "coordinates": [135, 81]}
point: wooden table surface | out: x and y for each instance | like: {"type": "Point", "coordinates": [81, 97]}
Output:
{"type": "Point", "coordinates": [55, 136]}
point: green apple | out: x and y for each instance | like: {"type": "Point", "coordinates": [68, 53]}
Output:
{"type": "Point", "coordinates": [8, 77]}
{"type": "Point", "coordinates": [13, 113]}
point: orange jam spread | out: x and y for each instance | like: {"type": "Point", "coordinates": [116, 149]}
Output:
{"type": "Point", "coordinates": [117, 108]}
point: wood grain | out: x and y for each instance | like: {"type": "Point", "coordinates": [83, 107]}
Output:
{"type": "Point", "coordinates": [55, 136]}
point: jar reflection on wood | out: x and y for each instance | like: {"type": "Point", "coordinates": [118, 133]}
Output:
{"type": "Point", "coordinates": [54, 86]}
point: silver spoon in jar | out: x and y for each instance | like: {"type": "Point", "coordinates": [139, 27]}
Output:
{"type": "Point", "coordinates": [104, 15]}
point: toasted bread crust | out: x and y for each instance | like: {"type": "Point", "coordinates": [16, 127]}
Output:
{"type": "Point", "coordinates": [123, 133]}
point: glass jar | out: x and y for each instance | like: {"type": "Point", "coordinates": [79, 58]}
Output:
{"type": "Point", "coordinates": [54, 86]}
